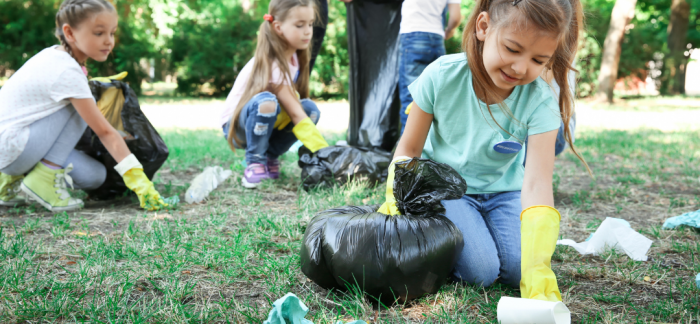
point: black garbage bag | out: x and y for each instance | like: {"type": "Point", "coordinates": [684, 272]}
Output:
{"type": "Point", "coordinates": [124, 113]}
{"type": "Point", "coordinates": [340, 164]}
{"type": "Point", "coordinates": [373, 46]}
{"type": "Point", "coordinates": [391, 258]}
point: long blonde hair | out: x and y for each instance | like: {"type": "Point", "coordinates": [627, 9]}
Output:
{"type": "Point", "coordinates": [563, 18]}
{"type": "Point", "coordinates": [270, 50]}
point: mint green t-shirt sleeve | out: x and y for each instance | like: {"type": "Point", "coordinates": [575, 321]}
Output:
{"type": "Point", "coordinates": [424, 90]}
{"type": "Point", "coordinates": [544, 118]}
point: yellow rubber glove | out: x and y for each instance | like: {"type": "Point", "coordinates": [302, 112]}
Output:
{"type": "Point", "coordinates": [389, 206]}
{"type": "Point", "coordinates": [539, 231]}
{"type": "Point", "coordinates": [117, 77]}
{"type": "Point", "coordinates": [308, 134]}
{"type": "Point", "coordinates": [132, 172]}
{"type": "Point", "coordinates": [282, 120]}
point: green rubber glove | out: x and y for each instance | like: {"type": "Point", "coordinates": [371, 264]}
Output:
{"type": "Point", "coordinates": [132, 172]}
{"type": "Point", "coordinates": [389, 206]}
{"type": "Point", "coordinates": [308, 134]}
{"type": "Point", "coordinates": [539, 230]}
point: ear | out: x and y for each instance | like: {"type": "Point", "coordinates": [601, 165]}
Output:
{"type": "Point", "coordinates": [482, 25]}
{"type": "Point", "coordinates": [68, 33]}
{"type": "Point", "coordinates": [277, 27]}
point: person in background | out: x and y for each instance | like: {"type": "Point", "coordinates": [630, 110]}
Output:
{"type": "Point", "coordinates": [319, 32]}
{"type": "Point", "coordinates": [269, 108]}
{"type": "Point", "coordinates": [422, 40]}
{"type": "Point", "coordinates": [45, 108]}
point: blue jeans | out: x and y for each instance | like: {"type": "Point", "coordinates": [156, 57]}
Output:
{"type": "Point", "coordinates": [490, 225]}
{"type": "Point", "coordinates": [261, 139]}
{"type": "Point", "coordinates": [416, 51]}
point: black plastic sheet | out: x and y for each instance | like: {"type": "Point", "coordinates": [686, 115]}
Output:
{"type": "Point", "coordinates": [373, 46]}
{"type": "Point", "coordinates": [391, 258]}
{"type": "Point", "coordinates": [336, 165]}
{"type": "Point", "coordinates": [144, 142]}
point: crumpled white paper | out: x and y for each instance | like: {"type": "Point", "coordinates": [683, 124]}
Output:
{"type": "Point", "coordinates": [613, 234]}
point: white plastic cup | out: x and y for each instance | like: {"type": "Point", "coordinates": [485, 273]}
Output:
{"type": "Point", "coordinates": [528, 311]}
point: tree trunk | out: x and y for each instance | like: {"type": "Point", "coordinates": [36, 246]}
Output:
{"type": "Point", "coordinates": [673, 81]}
{"type": "Point", "coordinates": [622, 14]}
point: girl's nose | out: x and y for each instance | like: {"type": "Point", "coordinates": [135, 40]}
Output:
{"type": "Point", "coordinates": [519, 67]}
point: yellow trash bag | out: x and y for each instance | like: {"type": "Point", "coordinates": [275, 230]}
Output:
{"type": "Point", "coordinates": [539, 230]}
{"type": "Point", "coordinates": [111, 103]}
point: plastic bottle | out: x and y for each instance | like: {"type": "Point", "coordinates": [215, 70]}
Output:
{"type": "Point", "coordinates": [205, 182]}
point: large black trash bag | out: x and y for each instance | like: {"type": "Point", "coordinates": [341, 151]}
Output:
{"type": "Point", "coordinates": [144, 142]}
{"type": "Point", "coordinates": [392, 258]}
{"type": "Point", "coordinates": [340, 164]}
{"type": "Point", "coordinates": [373, 46]}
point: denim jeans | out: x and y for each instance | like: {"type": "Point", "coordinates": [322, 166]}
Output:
{"type": "Point", "coordinates": [261, 139]}
{"type": "Point", "coordinates": [416, 51]}
{"type": "Point", "coordinates": [490, 225]}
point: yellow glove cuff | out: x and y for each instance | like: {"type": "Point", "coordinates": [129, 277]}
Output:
{"type": "Point", "coordinates": [541, 210]}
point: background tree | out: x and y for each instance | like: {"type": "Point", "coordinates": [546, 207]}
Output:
{"type": "Point", "coordinates": [673, 81]}
{"type": "Point", "coordinates": [622, 14]}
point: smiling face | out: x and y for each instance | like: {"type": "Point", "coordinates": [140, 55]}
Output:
{"type": "Point", "coordinates": [513, 56]}
{"type": "Point", "coordinates": [94, 37]}
{"type": "Point", "coordinates": [297, 27]}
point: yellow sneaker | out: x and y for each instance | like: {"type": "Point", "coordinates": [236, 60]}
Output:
{"type": "Point", "coordinates": [48, 187]}
{"type": "Point", "coordinates": [9, 188]}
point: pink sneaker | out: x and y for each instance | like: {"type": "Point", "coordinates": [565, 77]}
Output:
{"type": "Point", "coordinates": [253, 174]}
{"type": "Point", "coordinates": [273, 168]}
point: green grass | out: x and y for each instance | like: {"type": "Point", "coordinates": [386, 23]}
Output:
{"type": "Point", "coordinates": [229, 258]}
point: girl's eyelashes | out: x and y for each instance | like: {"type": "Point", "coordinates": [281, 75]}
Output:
{"type": "Point", "coordinates": [514, 51]}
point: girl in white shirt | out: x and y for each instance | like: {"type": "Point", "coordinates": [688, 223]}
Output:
{"type": "Point", "coordinates": [44, 110]}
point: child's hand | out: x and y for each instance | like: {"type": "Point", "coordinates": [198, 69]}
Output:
{"type": "Point", "coordinates": [149, 198]}
{"type": "Point", "coordinates": [131, 171]}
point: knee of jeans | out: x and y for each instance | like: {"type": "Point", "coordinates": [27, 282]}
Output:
{"type": "Point", "coordinates": [483, 274]}
{"type": "Point", "coordinates": [311, 110]}
{"type": "Point", "coordinates": [268, 108]}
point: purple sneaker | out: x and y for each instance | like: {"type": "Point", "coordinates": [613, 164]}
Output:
{"type": "Point", "coordinates": [273, 168]}
{"type": "Point", "coordinates": [253, 174]}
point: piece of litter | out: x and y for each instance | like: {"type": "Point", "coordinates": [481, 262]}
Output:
{"type": "Point", "coordinates": [172, 201]}
{"type": "Point", "coordinates": [205, 182]}
{"type": "Point", "coordinates": [290, 310]}
{"type": "Point", "coordinates": [688, 219]}
{"type": "Point", "coordinates": [617, 219]}
{"type": "Point", "coordinates": [697, 280]}
{"type": "Point", "coordinates": [341, 143]}
{"type": "Point", "coordinates": [612, 234]}
{"type": "Point", "coordinates": [295, 147]}
{"type": "Point", "coordinates": [647, 278]}
{"type": "Point", "coordinates": [526, 311]}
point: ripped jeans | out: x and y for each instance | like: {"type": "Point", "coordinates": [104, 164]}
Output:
{"type": "Point", "coordinates": [256, 129]}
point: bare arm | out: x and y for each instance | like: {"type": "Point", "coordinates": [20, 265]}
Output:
{"type": "Point", "coordinates": [109, 137]}
{"type": "Point", "coordinates": [537, 185]}
{"type": "Point", "coordinates": [454, 20]}
{"type": "Point", "coordinates": [413, 138]}
{"type": "Point", "coordinates": [288, 100]}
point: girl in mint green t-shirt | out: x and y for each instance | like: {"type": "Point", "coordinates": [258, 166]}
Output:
{"type": "Point", "coordinates": [473, 111]}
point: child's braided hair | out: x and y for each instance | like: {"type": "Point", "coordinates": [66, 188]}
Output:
{"type": "Point", "coordinates": [74, 12]}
